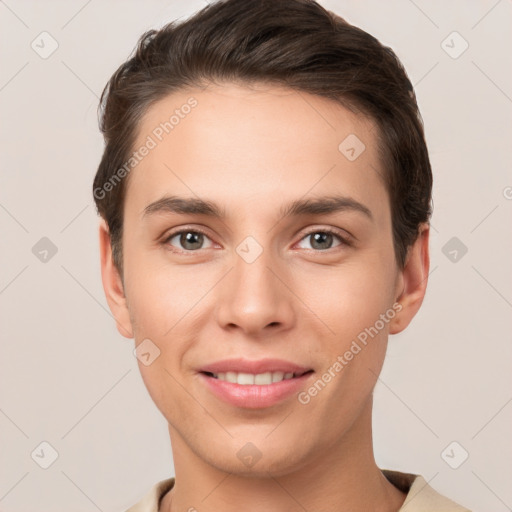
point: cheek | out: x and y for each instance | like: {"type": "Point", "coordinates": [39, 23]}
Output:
{"type": "Point", "coordinates": [348, 298]}
{"type": "Point", "coordinates": [161, 295]}
{"type": "Point", "coordinates": [357, 306]}
{"type": "Point", "coordinates": [162, 306]}
{"type": "Point", "coordinates": [169, 306]}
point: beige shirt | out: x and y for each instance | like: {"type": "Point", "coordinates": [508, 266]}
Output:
{"type": "Point", "coordinates": [420, 496]}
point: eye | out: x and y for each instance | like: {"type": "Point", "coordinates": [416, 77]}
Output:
{"type": "Point", "coordinates": [322, 239]}
{"type": "Point", "coordinates": [189, 239]}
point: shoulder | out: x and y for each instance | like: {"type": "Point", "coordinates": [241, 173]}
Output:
{"type": "Point", "coordinates": [421, 497]}
{"type": "Point", "coordinates": [151, 500]}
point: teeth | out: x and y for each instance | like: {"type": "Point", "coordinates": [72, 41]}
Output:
{"type": "Point", "coordinates": [261, 379]}
{"type": "Point", "coordinates": [231, 377]}
{"type": "Point", "coordinates": [277, 376]}
{"type": "Point", "coordinates": [245, 378]}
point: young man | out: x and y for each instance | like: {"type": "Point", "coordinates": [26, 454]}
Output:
{"type": "Point", "coordinates": [265, 196]}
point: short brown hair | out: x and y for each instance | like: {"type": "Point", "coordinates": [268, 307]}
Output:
{"type": "Point", "coordinates": [294, 43]}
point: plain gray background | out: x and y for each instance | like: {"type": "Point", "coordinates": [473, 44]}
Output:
{"type": "Point", "coordinates": [69, 379]}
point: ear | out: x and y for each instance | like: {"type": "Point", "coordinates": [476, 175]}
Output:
{"type": "Point", "coordinates": [412, 281]}
{"type": "Point", "coordinates": [113, 285]}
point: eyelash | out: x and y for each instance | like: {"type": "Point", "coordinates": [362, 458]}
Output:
{"type": "Point", "coordinates": [344, 241]}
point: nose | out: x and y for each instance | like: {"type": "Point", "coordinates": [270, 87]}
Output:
{"type": "Point", "coordinates": [254, 298]}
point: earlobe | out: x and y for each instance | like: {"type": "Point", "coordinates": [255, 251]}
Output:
{"type": "Point", "coordinates": [412, 281]}
{"type": "Point", "coordinates": [112, 284]}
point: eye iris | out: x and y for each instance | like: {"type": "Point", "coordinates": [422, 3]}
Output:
{"type": "Point", "coordinates": [320, 238]}
{"type": "Point", "coordinates": [190, 238]}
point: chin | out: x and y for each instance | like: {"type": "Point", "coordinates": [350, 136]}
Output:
{"type": "Point", "coordinates": [258, 459]}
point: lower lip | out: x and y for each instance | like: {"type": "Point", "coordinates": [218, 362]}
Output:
{"type": "Point", "coordinates": [253, 396]}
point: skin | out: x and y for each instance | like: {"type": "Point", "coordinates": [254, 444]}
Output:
{"type": "Point", "coordinates": [252, 150]}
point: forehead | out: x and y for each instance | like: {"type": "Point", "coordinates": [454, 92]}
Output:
{"type": "Point", "coordinates": [241, 142]}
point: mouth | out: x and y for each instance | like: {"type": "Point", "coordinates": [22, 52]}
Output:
{"type": "Point", "coordinates": [258, 379]}
{"type": "Point", "coordinates": [254, 384]}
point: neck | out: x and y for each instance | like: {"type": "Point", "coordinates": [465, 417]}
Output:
{"type": "Point", "coordinates": [343, 477]}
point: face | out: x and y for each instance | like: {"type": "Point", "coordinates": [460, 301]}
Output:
{"type": "Point", "coordinates": [240, 275]}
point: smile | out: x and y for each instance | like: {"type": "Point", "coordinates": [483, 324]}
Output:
{"type": "Point", "coordinates": [255, 390]}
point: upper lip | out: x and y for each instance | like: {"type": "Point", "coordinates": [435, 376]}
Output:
{"type": "Point", "coordinates": [255, 367]}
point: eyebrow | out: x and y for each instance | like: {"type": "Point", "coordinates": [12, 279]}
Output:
{"type": "Point", "coordinates": [312, 206]}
